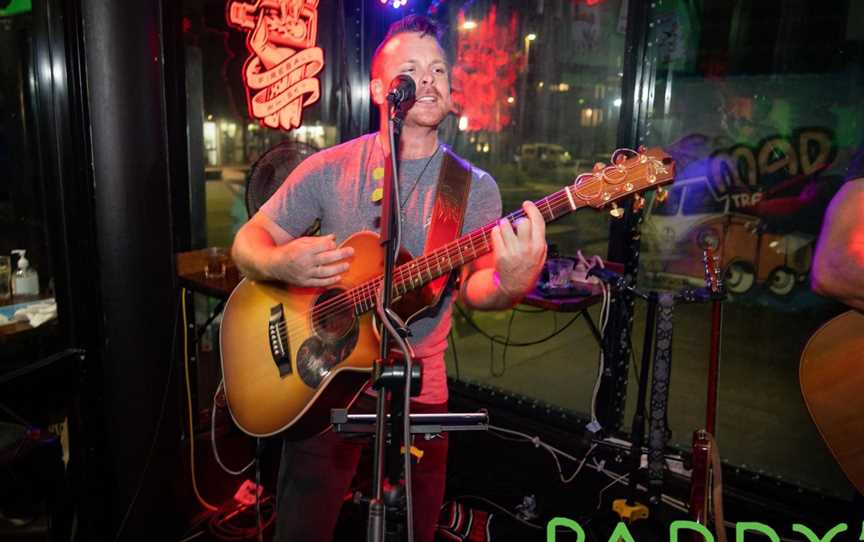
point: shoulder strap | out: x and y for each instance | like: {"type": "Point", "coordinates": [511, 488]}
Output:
{"type": "Point", "coordinates": [448, 213]}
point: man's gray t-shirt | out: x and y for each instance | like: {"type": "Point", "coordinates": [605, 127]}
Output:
{"type": "Point", "coordinates": [337, 186]}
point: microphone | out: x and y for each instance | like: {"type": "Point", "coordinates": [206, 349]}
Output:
{"type": "Point", "coordinates": [402, 89]}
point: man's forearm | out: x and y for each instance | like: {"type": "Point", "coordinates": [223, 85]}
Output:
{"type": "Point", "coordinates": [839, 278]}
{"type": "Point", "coordinates": [250, 252]}
{"type": "Point", "coordinates": [482, 290]}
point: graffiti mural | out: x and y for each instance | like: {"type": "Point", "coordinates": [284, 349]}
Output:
{"type": "Point", "coordinates": [759, 207]}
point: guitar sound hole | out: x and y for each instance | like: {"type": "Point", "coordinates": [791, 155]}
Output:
{"type": "Point", "coordinates": [332, 318]}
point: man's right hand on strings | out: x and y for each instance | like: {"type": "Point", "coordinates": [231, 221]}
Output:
{"type": "Point", "coordinates": [310, 261]}
{"type": "Point", "coordinates": [264, 251]}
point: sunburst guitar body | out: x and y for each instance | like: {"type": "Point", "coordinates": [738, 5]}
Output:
{"type": "Point", "coordinates": [290, 354]}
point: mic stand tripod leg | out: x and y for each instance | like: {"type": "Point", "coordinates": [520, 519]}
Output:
{"type": "Point", "coordinates": [630, 509]}
{"type": "Point", "coordinates": [391, 329]}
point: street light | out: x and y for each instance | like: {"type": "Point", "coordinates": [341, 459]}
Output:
{"type": "Point", "coordinates": [523, 91]}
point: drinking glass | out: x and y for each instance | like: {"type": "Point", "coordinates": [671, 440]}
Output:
{"type": "Point", "coordinates": [217, 261]}
{"type": "Point", "coordinates": [559, 271]}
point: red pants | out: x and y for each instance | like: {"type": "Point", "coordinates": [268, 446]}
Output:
{"type": "Point", "coordinates": [316, 474]}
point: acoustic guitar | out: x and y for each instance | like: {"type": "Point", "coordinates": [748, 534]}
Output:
{"type": "Point", "coordinates": [832, 383]}
{"type": "Point", "coordinates": [291, 354]}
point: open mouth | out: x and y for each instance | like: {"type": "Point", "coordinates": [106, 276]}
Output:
{"type": "Point", "coordinates": [427, 99]}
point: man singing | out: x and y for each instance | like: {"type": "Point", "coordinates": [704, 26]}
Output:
{"type": "Point", "coordinates": [338, 187]}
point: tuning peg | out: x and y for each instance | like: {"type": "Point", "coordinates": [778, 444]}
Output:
{"type": "Point", "coordinates": [638, 202]}
{"type": "Point", "coordinates": [662, 194]}
{"type": "Point", "coordinates": [615, 211]}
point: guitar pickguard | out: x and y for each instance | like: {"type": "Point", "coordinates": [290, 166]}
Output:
{"type": "Point", "coordinates": [335, 334]}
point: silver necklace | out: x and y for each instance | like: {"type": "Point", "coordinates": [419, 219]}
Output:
{"type": "Point", "coordinates": [417, 180]}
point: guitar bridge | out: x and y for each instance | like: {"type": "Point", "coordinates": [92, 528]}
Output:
{"type": "Point", "coordinates": [277, 334]}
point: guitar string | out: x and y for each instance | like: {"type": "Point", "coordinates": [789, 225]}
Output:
{"type": "Point", "coordinates": [454, 248]}
{"type": "Point", "coordinates": [359, 295]}
{"type": "Point", "coordinates": [364, 292]}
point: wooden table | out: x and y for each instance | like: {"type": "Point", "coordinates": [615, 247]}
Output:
{"type": "Point", "coordinates": [190, 272]}
{"type": "Point", "coordinates": [191, 276]}
{"type": "Point", "coordinates": [576, 303]}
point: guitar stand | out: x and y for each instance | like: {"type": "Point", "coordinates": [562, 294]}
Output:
{"type": "Point", "coordinates": [658, 338]}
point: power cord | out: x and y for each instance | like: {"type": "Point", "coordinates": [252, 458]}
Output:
{"type": "Point", "coordinates": [206, 505]}
{"type": "Point", "coordinates": [498, 507]}
{"type": "Point", "coordinates": [455, 353]}
{"type": "Point", "coordinates": [504, 354]}
{"type": "Point", "coordinates": [555, 452]}
{"type": "Point", "coordinates": [242, 521]}
{"type": "Point", "coordinates": [213, 437]}
{"type": "Point", "coordinates": [497, 339]}
{"type": "Point", "coordinates": [505, 340]}
{"type": "Point", "coordinates": [235, 521]}
{"type": "Point", "coordinates": [588, 264]}
{"type": "Point", "coordinates": [597, 465]}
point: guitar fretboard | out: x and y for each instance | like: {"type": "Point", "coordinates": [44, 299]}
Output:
{"type": "Point", "coordinates": [423, 269]}
{"type": "Point", "coordinates": [643, 170]}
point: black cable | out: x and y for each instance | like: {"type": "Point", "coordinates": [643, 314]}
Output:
{"type": "Point", "coordinates": [455, 353]}
{"type": "Point", "coordinates": [156, 431]}
{"type": "Point", "coordinates": [240, 522]}
{"type": "Point", "coordinates": [499, 507]}
{"type": "Point", "coordinates": [529, 311]}
{"type": "Point", "coordinates": [507, 341]}
{"type": "Point", "coordinates": [16, 417]}
{"type": "Point", "coordinates": [492, 342]}
{"type": "Point", "coordinates": [203, 328]}
{"type": "Point", "coordinates": [637, 371]}
{"type": "Point", "coordinates": [498, 338]}
{"type": "Point", "coordinates": [504, 354]}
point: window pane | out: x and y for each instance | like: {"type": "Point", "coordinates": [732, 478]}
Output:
{"type": "Point", "coordinates": [25, 189]}
{"type": "Point", "coordinates": [760, 104]}
{"type": "Point", "coordinates": [232, 137]}
{"type": "Point", "coordinates": [539, 93]}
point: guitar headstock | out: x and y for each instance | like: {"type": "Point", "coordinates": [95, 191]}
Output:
{"type": "Point", "coordinates": [631, 173]}
{"type": "Point", "coordinates": [712, 270]}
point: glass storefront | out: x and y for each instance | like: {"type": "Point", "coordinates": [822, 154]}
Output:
{"type": "Point", "coordinates": [759, 103]}
{"type": "Point", "coordinates": [233, 139]}
{"type": "Point", "coordinates": [27, 187]}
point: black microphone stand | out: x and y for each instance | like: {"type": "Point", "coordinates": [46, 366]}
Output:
{"type": "Point", "coordinates": [392, 329]}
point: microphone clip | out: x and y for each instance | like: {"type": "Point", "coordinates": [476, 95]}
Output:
{"type": "Point", "coordinates": [401, 94]}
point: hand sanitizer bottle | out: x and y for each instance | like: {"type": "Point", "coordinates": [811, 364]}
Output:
{"type": "Point", "coordinates": [26, 280]}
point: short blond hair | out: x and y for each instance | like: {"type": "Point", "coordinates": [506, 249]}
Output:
{"type": "Point", "coordinates": [410, 24]}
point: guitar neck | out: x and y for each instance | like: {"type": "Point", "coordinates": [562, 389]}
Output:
{"type": "Point", "coordinates": [630, 173]}
{"type": "Point", "coordinates": [423, 269]}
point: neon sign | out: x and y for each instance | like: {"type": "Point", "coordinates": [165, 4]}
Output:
{"type": "Point", "coordinates": [279, 75]}
{"type": "Point", "coordinates": [485, 69]}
